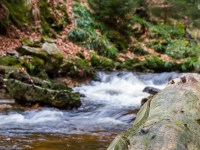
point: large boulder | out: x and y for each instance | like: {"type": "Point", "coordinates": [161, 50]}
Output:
{"type": "Point", "coordinates": [169, 121]}
{"type": "Point", "coordinates": [77, 68]}
{"type": "Point", "coordinates": [32, 51]}
{"type": "Point", "coordinates": [49, 53]}
{"type": "Point", "coordinates": [26, 89]}
{"type": "Point", "coordinates": [55, 57]}
{"type": "Point", "coordinates": [30, 93]}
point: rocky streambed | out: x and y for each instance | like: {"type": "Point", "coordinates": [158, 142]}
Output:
{"type": "Point", "coordinates": [108, 106]}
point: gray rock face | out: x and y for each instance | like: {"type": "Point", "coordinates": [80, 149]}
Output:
{"type": "Point", "coordinates": [26, 89]}
{"type": "Point", "coordinates": [12, 53]}
{"type": "Point", "coordinates": [30, 93]}
{"type": "Point", "coordinates": [55, 57]}
{"type": "Point", "coordinates": [168, 121]}
{"type": "Point", "coordinates": [49, 53]}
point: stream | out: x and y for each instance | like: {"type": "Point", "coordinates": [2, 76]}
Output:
{"type": "Point", "coordinates": [109, 106]}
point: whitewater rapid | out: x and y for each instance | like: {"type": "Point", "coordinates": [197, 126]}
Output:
{"type": "Point", "coordinates": [107, 104]}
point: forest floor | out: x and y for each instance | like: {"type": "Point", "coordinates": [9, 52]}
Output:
{"type": "Point", "coordinates": [68, 48]}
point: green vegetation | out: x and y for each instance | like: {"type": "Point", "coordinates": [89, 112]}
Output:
{"type": "Point", "coordinates": [103, 63]}
{"type": "Point", "coordinates": [149, 29]}
{"type": "Point", "coordinates": [114, 13]}
{"type": "Point", "coordinates": [52, 22]}
{"type": "Point", "coordinates": [137, 49]}
{"type": "Point", "coordinates": [77, 35]}
{"type": "Point", "coordinates": [16, 13]}
{"type": "Point", "coordinates": [176, 10]}
{"type": "Point", "coordinates": [77, 67]}
{"type": "Point", "coordinates": [86, 33]}
{"type": "Point", "coordinates": [108, 40]}
{"type": "Point", "coordinates": [13, 13]}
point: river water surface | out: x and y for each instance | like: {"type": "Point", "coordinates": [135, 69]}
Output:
{"type": "Point", "coordinates": [109, 106]}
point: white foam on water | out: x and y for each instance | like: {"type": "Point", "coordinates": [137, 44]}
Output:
{"type": "Point", "coordinates": [31, 117]}
{"type": "Point", "coordinates": [109, 121]}
{"type": "Point", "coordinates": [107, 104]}
{"type": "Point", "coordinates": [118, 91]}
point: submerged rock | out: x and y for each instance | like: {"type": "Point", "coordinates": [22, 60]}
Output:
{"type": "Point", "coordinates": [151, 90]}
{"type": "Point", "coordinates": [5, 108]}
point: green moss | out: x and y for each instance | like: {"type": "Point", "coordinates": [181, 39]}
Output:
{"type": "Point", "coordinates": [10, 61]}
{"type": "Point", "coordinates": [16, 13]}
{"type": "Point", "coordinates": [65, 16]}
{"type": "Point", "coordinates": [35, 66]}
{"type": "Point", "coordinates": [51, 24]}
{"type": "Point", "coordinates": [59, 85]}
{"type": "Point", "coordinates": [178, 123]}
{"type": "Point", "coordinates": [101, 62]}
{"type": "Point", "coordinates": [25, 50]}
{"type": "Point", "coordinates": [42, 75]}
{"type": "Point", "coordinates": [46, 30]}
{"type": "Point", "coordinates": [168, 126]}
{"type": "Point", "coordinates": [146, 141]}
{"type": "Point", "coordinates": [25, 41]}
{"type": "Point", "coordinates": [45, 11]}
{"type": "Point", "coordinates": [77, 68]}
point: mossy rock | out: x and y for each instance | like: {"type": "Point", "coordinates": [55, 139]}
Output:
{"type": "Point", "coordinates": [33, 65]}
{"type": "Point", "coordinates": [30, 42]}
{"type": "Point", "coordinates": [8, 69]}
{"type": "Point", "coordinates": [77, 67]}
{"type": "Point", "coordinates": [26, 89]}
{"type": "Point", "coordinates": [48, 58]}
{"type": "Point", "coordinates": [100, 62]}
{"type": "Point", "coordinates": [59, 85]}
{"type": "Point", "coordinates": [42, 75]}
{"type": "Point", "coordinates": [26, 41]}
{"type": "Point", "coordinates": [10, 61]}
{"type": "Point", "coordinates": [55, 58]}
{"type": "Point", "coordinates": [38, 52]}
{"type": "Point", "coordinates": [28, 93]}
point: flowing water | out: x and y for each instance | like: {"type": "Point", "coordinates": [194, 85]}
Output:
{"type": "Point", "coordinates": [109, 106]}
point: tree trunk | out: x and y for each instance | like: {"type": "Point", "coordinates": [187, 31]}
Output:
{"type": "Point", "coordinates": [169, 121]}
{"type": "Point", "coordinates": [165, 14]}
